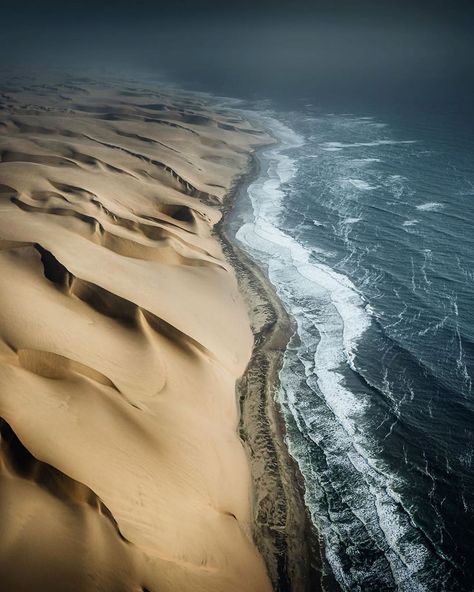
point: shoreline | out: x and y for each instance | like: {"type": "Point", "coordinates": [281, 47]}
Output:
{"type": "Point", "coordinates": [282, 527]}
{"type": "Point", "coordinates": [172, 357]}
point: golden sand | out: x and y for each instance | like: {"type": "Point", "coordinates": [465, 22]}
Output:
{"type": "Point", "coordinates": [122, 335]}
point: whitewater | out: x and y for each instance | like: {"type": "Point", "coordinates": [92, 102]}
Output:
{"type": "Point", "coordinates": [342, 414]}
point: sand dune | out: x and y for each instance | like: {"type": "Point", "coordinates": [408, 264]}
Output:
{"type": "Point", "coordinates": [122, 334]}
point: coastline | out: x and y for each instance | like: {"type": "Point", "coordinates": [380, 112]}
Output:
{"type": "Point", "coordinates": [161, 392]}
{"type": "Point", "coordinates": [282, 527]}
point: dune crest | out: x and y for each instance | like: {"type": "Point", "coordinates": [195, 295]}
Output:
{"type": "Point", "coordinates": [122, 334]}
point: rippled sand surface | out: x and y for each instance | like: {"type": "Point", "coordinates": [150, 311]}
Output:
{"type": "Point", "coordinates": [122, 334]}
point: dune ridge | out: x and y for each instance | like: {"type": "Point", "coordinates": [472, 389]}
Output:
{"type": "Point", "coordinates": [122, 335]}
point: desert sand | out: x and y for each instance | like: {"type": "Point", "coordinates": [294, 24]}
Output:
{"type": "Point", "coordinates": [122, 336]}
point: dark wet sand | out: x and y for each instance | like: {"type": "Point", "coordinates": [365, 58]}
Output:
{"type": "Point", "coordinates": [283, 530]}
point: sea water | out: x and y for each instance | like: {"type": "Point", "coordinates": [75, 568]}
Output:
{"type": "Point", "coordinates": [365, 227]}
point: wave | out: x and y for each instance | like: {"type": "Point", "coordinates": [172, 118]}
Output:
{"type": "Point", "coordinates": [364, 161]}
{"type": "Point", "coordinates": [351, 220]}
{"type": "Point", "coordinates": [430, 206]}
{"type": "Point", "coordinates": [358, 184]}
{"type": "Point", "coordinates": [328, 412]}
{"type": "Point", "coordinates": [336, 146]}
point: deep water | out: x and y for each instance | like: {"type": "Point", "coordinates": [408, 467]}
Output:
{"type": "Point", "coordinates": [365, 225]}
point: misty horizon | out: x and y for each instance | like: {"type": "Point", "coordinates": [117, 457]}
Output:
{"type": "Point", "coordinates": [335, 56]}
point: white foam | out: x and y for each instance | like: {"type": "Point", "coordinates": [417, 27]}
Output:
{"type": "Point", "coordinates": [358, 184]}
{"type": "Point", "coordinates": [431, 206]}
{"type": "Point", "coordinates": [263, 235]}
{"type": "Point", "coordinates": [341, 316]}
{"type": "Point", "coordinates": [364, 161]}
{"type": "Point", "coordinates": [336, 146]}
{"type": "Point", "coordinates": [410, 222]}
{"type": "Point", "coordinates": [351, 220]}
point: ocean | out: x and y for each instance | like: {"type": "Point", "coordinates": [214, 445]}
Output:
{"type": "Point", "coordinates": [364, 224]}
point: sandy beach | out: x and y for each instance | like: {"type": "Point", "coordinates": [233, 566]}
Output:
{"type": "Point", "coordinates": [128, 460]}
{"type": "Point", "coordinates": [283, 531]}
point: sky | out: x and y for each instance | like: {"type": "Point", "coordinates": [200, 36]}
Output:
{"type": "Point", "coordinates": [156, 9]}
{"type": "Point", "coordinates": [340, 51]}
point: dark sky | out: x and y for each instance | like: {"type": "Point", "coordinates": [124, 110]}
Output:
{"type": "Point", "coordinates": [90, 10]}
{"type": "Point", "coordinates": [335, 50]}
